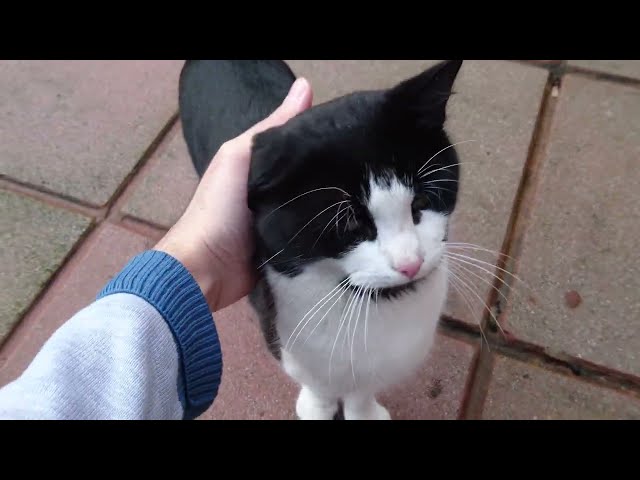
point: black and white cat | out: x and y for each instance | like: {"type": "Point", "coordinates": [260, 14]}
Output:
{"type": "Point", "coordinates": [351, 203]}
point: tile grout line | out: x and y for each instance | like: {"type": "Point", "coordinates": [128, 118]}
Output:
{"type": "Point", "coordinates": [598, 75]}
{"type": "Point", "coordinates": [51, 198]}
{"type": "Point", "coordinates": [80, 206]}
{"type": "Point", "coordinates": [130, 182]}
{"type": "Point", "coordinates": [481, 368]}
{"type": "Point", "coordinates": [82, 240]}
{"type": "Point", "coordinates": [140, 227]}
{"type": "Point", "coordinates": [593, 74]}
{"type": "Point", "coordinates": [555, 361]}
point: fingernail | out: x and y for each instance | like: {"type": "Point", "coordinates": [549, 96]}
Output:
{"type": "Point", "coordinates": [298, 89]}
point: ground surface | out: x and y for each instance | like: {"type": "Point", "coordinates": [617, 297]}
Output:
{"type": "Point", "coordinates": [93, 169]}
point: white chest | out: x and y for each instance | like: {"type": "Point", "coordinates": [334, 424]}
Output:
{"type": "Point", "coordinates": [341, 340]}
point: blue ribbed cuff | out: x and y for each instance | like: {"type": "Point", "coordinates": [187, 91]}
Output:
{"type": "Point", "coordinates": [168, 286]}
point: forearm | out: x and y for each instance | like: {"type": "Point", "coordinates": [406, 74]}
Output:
{"type": "Point", "coordinates": [146, 349]}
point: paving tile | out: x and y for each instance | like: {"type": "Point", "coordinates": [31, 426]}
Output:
{"type": "Point", "coordinates": [582, 240]}
{"type": "Point", "coordinates": [255, 388]}
{"type": "Point", "coordinates": [519, 391]}
{"type": "Point", "coordinates": [34, 239]}
{"type": "Point", "coordinates": [627, 68]}
{"type": "Point", "coordinates": [496, 105]}
{"type": "Point", "coordinates": [436, 393]}
{"type": "Point", "coordinates": [106, 251]}
{"type": "Point", "coordinates": [253, 385]}
{"type": "Point", "coordinates": [78, 127]}
{"type": "Point", "coordinates": [165, 191]}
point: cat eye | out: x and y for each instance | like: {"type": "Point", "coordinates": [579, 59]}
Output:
{"type": "Point", "coordinates": [420, 202]}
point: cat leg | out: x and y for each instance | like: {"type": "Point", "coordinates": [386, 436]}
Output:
{"type": "Point", "coordinates": [311, 406]}
{"type": "Point", "coordinates": [359, 406]}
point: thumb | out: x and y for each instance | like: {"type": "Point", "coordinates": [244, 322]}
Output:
{"type": "Point", "coordinates": [298, 100]}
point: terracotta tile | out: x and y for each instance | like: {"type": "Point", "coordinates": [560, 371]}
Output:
{"type": "Point", "coordinates": [35, 239]}
{"type": "Point", "coordinates": [519, 391]}
{"type": "Point", "coordinates": [583, 234]}
{"type": "Point", "coordinates": [77, 127]}
{"type": "Point", "coordinates": [106, 251]}
{"type": "Point", "coordinates": [253, 385]}
{"type": "Point", "coordinates": [436, 393]}
{"type": "Point", "coordinates": [167, 188]}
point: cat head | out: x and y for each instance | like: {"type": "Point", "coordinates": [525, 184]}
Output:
{"type": "Point", "coordinates": [366, 181]}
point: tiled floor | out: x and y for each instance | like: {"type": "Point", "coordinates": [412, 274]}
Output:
{"type": "Point", "coordinates": [94, 168]}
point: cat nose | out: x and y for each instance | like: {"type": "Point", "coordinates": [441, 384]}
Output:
{"type": "Point", "coordinates": [409, 269]}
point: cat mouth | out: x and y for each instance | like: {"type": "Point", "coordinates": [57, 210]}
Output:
{"type": "Point", "coordinates": [389, 293]}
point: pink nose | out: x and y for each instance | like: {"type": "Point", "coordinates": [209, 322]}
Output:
{"type": "Point", "coordinates": [409, 269]}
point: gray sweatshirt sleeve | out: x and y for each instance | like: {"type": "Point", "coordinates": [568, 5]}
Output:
{"type": "Point", "coordinates": [147, 348]}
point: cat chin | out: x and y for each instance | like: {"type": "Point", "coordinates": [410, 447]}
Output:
{"type": "Point", "coordinates": [398, 289]}
{"type": "Point", "coordinates": [395, 291]}
{"type": "Point", "coordinates": [388, 293]}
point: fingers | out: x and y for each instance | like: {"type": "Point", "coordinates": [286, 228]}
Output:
{"type": "Point", "coordinates": [298, 100]}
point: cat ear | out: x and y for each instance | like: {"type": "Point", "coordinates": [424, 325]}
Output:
{"type": "Point", "coordinates": [420, 102]}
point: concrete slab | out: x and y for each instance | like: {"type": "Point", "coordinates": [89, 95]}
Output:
{"type": "Point", "coordinates": [35, 238]}
{"type": "Point", "coordinates": [519, 391]}
{"type": "Point", "coordinates": [579, 256]}
{"type": "Point", "coordinates": [627, 68]}
{"type": "Point", "coordinates": [78, 127]}
{"type": "Point", "coordinates": [165, 191]}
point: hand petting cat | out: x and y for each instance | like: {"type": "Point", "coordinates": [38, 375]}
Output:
{"type": "Point", "coordinates": [212, 238]}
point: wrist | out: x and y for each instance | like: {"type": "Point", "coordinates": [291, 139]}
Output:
{"type": "Point", "coordinates": [199, 266]}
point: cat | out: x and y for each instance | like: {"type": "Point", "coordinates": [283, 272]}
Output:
{"type": "Point", "coordinates": [351, 202]}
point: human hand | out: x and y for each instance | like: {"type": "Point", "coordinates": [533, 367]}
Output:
{"type": "Point", "coordinates": [212, 239]}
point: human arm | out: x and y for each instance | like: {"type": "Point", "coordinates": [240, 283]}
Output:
{"type": "Point", "coordinates": [148, 347]}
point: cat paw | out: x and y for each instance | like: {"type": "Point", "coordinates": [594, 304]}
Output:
{"type": "Point", "coordinates": [311, 407]}
{"type": "Point", "coordinates": [370, 410]}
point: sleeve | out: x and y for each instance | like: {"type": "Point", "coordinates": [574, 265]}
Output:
{"type": "Point", "coordinates": [147, 348]}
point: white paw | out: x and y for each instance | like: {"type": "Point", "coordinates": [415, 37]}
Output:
{"type": "Point", "coordinates": [311, 407]}
{"type": "Point", "coordinates": [370, 410]}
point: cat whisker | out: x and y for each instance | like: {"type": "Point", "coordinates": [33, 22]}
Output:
{"type": "Point", "coordinates": [440, 180]}
{"type": "Point", "coordinates": [302, 195]}
{"type": "Point", "coordinates": [463, 270]}
{"type": "Point", "coordinates": [460, 256]}
{"type": "Point", "coordinates": [298, 233]}
{"type": "Point", "coordinates": [347, 335]}
{"type": "Point", "coordinates": [344, 290]}
{"type": "Point", "coordinates": [340, 293]}
{"type": "Point", "coordinates": [437, 194]}
{"type": "Point", "coordinates": [456, 286]}
{"type": "Point", "coordinates": [471, 272]}
{"type": "Point", "coordinates": [329, 223]}
{"type": "Point", "coordinates": [441, 188]}
{"type": "Point", "coordinates": [270, 258]}
{"type": "Point", "coordinates": [480, 299]}
{"type": "Point", "coordinates": [312, 309]}
{"type": "Point", "coordinates": [460, 261]}
{"type": "Point", "coordinates": [439, 152]}
{"type": "Point", "coordinates": [366, 321]}
{"type": "Point", "coordinates": [343, 318]}
{"type": "Point", "coordinates": [355, 330]}
{"type": "Point", "coordinates": [446, 167]}
{"type": "Point", "coordinates": [472, 246]}
{"type": "Point", "coordinates": [339, 220]}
